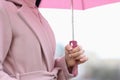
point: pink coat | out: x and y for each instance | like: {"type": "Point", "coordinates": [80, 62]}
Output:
{"type": "Point", "coordinates": [27, 45]}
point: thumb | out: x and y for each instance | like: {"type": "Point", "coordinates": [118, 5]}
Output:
{"type": "Point", "coordinates": [68, 47]}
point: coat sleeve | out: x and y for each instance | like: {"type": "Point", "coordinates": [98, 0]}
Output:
{"type": "Point", "coordinates": [64, 73]}
{"type": "Point", "coordinates": [5, 40]}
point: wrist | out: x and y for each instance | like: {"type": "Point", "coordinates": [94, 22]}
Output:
{"type": "Point", "coordinates": [70, 68]}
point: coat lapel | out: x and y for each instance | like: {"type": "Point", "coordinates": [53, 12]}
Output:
{"type": "Point", "coordinates": [34, 23]}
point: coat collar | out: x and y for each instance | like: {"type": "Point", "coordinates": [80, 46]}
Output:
{"type": "Point", "coordinates": [30, 3]}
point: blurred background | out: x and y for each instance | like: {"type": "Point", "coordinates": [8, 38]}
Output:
{"type": "Point", "coordinates": [97, 30]}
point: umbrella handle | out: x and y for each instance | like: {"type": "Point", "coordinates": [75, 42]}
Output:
{"type": "Point", "coordinates": [75, 69]}
{"type": "Point", "coordinates": [73, 43]}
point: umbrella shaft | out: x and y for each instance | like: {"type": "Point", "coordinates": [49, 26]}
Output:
{"type": "Point", "coordinates": [72, 9]}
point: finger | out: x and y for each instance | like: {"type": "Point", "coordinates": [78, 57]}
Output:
{"type": "Point", "coordinates": [84, 59]}
{"type": "Point", "coordinates": [76, 54]}
{"type": "Point", "coordinates": [68, 47]}
{"type": "Point", "coordinates": [76, 49]}
{"type": "Point", "coordinates": [80, 57]}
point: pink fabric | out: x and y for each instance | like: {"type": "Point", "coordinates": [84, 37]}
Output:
{"type": "Point", "coordinates": [78, 4]}
{"type": "Point", "coordinates": [27, 45]}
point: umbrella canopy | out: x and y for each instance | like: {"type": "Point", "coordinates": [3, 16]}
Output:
{"type": "Point", "coordinates": [74, 4]}
{"type": "Point", "coordinates": [78, 4]}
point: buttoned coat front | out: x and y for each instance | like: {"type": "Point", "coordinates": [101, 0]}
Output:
{"type": "Point", "coordinates": [27, 45]}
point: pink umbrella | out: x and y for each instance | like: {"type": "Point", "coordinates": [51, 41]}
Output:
{"type": "Point", "coordinates": [74, 4]}
{"type": "Point", "coordinates": [78, 4]}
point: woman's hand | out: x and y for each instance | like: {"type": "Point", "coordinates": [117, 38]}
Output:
{"type": "Point", "coordinates": [74, 56]}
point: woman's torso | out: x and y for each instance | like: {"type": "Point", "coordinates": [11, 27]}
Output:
{"type": "Point", "coordinates": [32, 47]}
